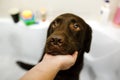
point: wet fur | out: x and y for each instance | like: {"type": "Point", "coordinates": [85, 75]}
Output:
{"type": "Point", "coordinates": [72, 40]}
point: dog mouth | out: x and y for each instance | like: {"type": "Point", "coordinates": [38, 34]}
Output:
{"type": "Point", "coordinates": [59, 50]}
{"type": "Point", "coordinates": [54, 53]}
{"type": "Point", "coordinates": [55, 50]}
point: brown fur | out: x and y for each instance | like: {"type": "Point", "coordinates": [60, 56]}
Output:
{"type": "Point", "coordinates": [66, 34]}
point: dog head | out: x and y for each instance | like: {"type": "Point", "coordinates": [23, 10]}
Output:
{"type": "Point", "coordinates": [68, 33]}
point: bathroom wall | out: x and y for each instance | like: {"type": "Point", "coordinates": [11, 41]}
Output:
{"type": "Point", "coordinates": [84, 8]}
{"type": "Point", "coordinates": [114, 5]}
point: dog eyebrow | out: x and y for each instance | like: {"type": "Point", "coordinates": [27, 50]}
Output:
{"type": "Point", "coordinates": [73, 20]}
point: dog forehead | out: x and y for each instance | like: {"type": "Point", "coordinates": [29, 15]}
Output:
{"type": "Point", "coordinates": [68, 17]}
{"type": "Point", "coordinates": [65, 20]}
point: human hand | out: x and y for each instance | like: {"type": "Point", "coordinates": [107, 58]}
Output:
{"type": "Point", "coordinates": [64, 61]}
{"type": "Point", "coordinates": [49, 66]}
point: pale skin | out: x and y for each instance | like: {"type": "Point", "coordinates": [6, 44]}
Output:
{"type": "Point", "coordinates": [50, 66]}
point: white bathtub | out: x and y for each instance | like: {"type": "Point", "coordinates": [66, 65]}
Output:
{"type": "Point", "coordinates": [18, 42]}
{"type": "Point", "coordinates": [103, 61]}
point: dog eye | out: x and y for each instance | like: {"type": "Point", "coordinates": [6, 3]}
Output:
{"type": "Point", "coordinates": [75, 26]}
{"type": "Point", "coordinates": [55, 24]}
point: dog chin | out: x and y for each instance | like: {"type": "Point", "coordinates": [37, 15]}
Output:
{"type": "Point", "coordinates": [54, 52]}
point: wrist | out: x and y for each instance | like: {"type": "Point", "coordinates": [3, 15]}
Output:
{"type": "Point", "coordinates": [52, 63]}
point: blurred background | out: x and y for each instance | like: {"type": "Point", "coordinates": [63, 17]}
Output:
{"type": "Point", "coordinates": [24, 24]}
{"type": "Point", "coordinates": [85, 8]}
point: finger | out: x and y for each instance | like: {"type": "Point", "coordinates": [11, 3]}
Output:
{"type": "Point", "coordinates": [75, 55]}
{"type": "Point", "coordinates": [45, 54]}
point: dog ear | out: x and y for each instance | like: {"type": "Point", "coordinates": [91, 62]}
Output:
{"type": "Point", "coordinates": [88, 38]}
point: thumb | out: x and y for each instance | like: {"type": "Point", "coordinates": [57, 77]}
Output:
{"type": "Point", "coordinates": [75, 55]}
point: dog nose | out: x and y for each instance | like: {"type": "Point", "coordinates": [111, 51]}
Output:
{"type": "Point", "coordinates": [56, 40]}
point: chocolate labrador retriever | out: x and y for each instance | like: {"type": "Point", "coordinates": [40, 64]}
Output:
{"type": "Point", "coordinates": [66, 34]}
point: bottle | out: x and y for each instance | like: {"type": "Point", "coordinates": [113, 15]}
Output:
{"type": "Point", "coordinates": [117, 16]}
{"type": "Point", "coordinates": [28, 17]}
{"type": "Point", "coordinates": [15, 12]}
{"type": "Point", "coordinates": [43, 13]}
{"type": "Point", "coordinates": [105, 11]}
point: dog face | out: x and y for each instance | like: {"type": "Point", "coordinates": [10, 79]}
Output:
{"type": "Point", "coordinates": [66, 34]}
